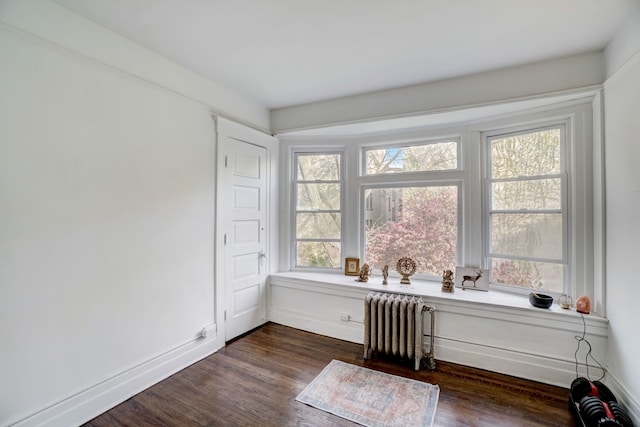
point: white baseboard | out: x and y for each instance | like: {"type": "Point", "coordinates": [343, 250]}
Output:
{"type": "Point", "coordinates": [629, 403]}
{"type": "Point", "coordinates": [529, 366]}
{"type": "Point", "coordinates": [88, 404]}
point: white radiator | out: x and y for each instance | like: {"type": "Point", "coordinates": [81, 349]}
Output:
{"type": "Point", "coordinates": [393, 325]}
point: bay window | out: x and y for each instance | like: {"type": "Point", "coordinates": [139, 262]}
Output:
{"type": "Point", "coordinates": [513, 195]}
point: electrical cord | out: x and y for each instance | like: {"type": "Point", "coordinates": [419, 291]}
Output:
{"type": "Point", "coordinates": [580, 340]}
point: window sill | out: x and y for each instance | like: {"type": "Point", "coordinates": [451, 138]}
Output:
{"type": "Point", "coordinates": [491, 301]}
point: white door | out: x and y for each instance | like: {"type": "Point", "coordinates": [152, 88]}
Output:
{"type": "Point", "coordinates": [243, 206]}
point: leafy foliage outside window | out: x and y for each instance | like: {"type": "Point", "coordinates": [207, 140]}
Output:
{"type": "Point", "coordinates": [318, 216]}
{"type": "Point", "coordinates": [526, 216]}
{"type": "Point", "coordinates": [419, 222]}
{"type": "Point", "coordinates": [417, 219]}
{"type": "Point", "coordinates": [413, 158]}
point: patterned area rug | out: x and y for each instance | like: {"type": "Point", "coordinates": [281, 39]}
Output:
{"type": "Point", "coordinates": [371, 398]}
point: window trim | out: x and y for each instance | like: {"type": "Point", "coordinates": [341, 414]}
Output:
{"type": "Point", "coordinates": [405, 143]}
{"type": "Point", "coordinates": [458, 183]}
{"type": "Point", "coordinates": [584, 180]}
{"type": "Point", "coordinates": [563, 124]}
{"type": "Point", "coordinates": [294, 153]}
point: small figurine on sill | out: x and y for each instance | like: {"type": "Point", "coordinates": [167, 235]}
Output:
{"type": "Point", "coordinates": [447, 281]}
{"type": "Point", "coordinates": [385, 274]}
{"type": "Point", "coordinates": [365, 272]}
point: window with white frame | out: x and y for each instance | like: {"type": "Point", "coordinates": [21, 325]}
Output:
{"type": "Point", "coordinates": [317, 191]}
{"type": "Point", "coordinates": [514, 195]}
{"type": "Point", "coordinates": [416, 157]}
{"type": "Point", "coordinates": [526, 215]}
{"type": "Point", "coordinates": [418, 221]}
{"type": "Point", "coordinates": [409, 210]}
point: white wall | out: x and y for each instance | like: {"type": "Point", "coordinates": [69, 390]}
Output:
{"type": "Point", "coordinates": [622, 155]}
{"type": "Point", "coordinates": [59, 26]}
{"type": "Point", "coordinates": [624, 45]}
{"type": "Point", "coordinates": [107, 213]}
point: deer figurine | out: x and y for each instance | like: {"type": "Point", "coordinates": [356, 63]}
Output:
{"type": "Point", "coordinates": [472, 279]}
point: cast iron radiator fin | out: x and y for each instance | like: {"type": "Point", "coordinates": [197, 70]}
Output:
{"type": "Point", "coordinates": [393, 325]}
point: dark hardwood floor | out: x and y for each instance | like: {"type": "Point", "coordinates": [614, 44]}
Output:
{"type": "Point", "coordinates": [254, 381]}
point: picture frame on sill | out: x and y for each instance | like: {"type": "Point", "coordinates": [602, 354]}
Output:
{"type": "Point", "coordinates": [351, 266]}
{"type": "Point", "coordinates": [471, 278]}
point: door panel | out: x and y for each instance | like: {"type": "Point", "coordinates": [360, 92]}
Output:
{"type": "Point", "coordinates": [245, 267]}
{"type": "Point", "coordinates": [246, 197]}
{"type": "Point", "coordinates": [246, 300]}
{"type": "Point", "coordinates": [247, 166]}
{"type": "Point", "coordinates": [246, 232]}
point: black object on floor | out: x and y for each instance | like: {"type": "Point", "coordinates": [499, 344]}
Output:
{"type": "Point", "coordinates": [594, 405]}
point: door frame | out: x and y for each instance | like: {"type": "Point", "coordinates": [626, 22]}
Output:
{"type": "Point", "coordinates": [227, 128]}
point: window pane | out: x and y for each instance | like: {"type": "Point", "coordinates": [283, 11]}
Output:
{"type": "Point", "coordinates": [323, 167]}
{"type": "Point", "coordinates": [527, 235]}
{"type": "Point", "coordinates": [418, 222]}
{"type": "Point", "coordinates": [528, 274]}
{"type": "Point", "coordinates": [428, 157]}
{"type": "Point", "coordinates": [317, 211]}
{"type": "Point", "coordinates": [530, 194]}
{"type": "Point", "coordinates": [529, 154]}
{"type": "Point", "coordinates": [318, 254]}
{"type": "Point", "coordinates": [318, 197]}
{"type": "Point", "coordinates": [318, 225]}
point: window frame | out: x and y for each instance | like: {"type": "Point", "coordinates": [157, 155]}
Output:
{"type": "Point", "coordinates": [295, 153]}
{"type": "Point", "coordinates": [565, 137]}
{"type": "Point", "coordinates": [458, 183]}
{"type": "Point", "coordinates": [406, 143]}
{"type": "Point", "coordinates": [583, 151]}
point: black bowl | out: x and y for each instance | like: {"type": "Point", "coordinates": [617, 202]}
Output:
{"type": "Point", "coordinates": [540, 300]}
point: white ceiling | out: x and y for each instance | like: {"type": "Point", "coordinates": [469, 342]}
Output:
{"type": "Point", "coordinates": [289, 52]}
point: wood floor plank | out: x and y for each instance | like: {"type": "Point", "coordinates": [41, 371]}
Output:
{"type": "Point", "coordinates": [254, 381]}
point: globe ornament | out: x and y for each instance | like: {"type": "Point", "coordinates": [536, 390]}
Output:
{"type": "Point", "coordinates": [406, 267]}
